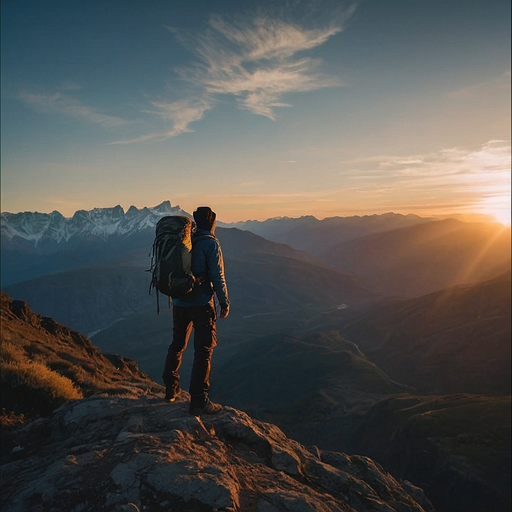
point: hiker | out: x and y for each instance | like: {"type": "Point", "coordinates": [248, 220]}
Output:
{"type": "Point", "coordinates": [197, 310]}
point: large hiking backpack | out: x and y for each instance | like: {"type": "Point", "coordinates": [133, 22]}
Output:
{"type": "Point", "coordinates": [171, 260]}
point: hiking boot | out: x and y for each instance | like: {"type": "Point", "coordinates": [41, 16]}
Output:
{"type": "Point", "coordinates": [171, 393]}
{"type": "Point", "coordinates": [207, 408]}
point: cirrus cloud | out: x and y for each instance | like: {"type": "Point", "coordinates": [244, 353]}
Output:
{"type": "Point", "coordinates": [60, 103]}
{"type": "Point", "coordinates": [256, 61]}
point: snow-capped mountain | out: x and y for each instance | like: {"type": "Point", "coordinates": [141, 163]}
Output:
{"type": "Point", "coordinates": [102, 223]}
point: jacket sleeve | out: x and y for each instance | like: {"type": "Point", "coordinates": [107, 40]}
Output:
{"type": "Point", "coordinates": [215, 267]}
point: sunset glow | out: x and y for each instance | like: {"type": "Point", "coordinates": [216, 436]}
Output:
{"type": "Point", "coordinates": [498, 207]}
{"type": "Point", "coordinates": [321, 108]}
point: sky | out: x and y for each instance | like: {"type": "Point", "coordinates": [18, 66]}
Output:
{"type": "Point", "coordinates": [256, 108]}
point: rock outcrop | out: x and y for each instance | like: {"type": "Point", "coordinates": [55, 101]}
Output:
{"type": "Point", "coordinates": [141, 453]}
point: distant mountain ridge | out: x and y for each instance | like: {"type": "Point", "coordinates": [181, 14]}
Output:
{"type": "Point", "coordinates": [100, 222]}
{"type": "Point", "coordinates": [390, 254]}
{"type": "Point", "coordinates": [420, 259]}
{"type": "Point", "coordinates": [37, 244]}
{"type": "Point", "coordinates": [316, 236]}
{"type": "Point", "coordinates": [40, 229]}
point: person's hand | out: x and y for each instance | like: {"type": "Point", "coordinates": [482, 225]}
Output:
{"type": "Point", "coordinates": [224, 311]}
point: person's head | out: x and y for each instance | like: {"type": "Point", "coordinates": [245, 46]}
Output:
{"type": "Point", "coordinates": [205, 218]}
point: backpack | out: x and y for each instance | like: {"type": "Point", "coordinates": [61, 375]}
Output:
{"type": "Point", "coordinates": [171, 260]}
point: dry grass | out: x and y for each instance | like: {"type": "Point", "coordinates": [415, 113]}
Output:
{"type": "Point", "coordinates": [11, 352]}
{"type": "Point", "coordinates": [38, 376]}
{"type": "Point", "coordinates": [29, 387]}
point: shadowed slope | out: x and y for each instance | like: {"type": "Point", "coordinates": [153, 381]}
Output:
{"type": "Point", "coordinates": [456, 447]}
{"type": "Point", "coordinates": [424, 258]}
{"type": "Point", "coordinates": [455, 340]}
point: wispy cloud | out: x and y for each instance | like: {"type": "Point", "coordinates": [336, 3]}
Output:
{"type": "Point", "coordinates": [251, 183]}
{"type": "Point", "coordinates": [256, 61]}
{"type": "Point", "coordinates": [62, 104]}
{"type": "Point", "coordinates": [180, 114]}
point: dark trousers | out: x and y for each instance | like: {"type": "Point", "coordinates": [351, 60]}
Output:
{"type": "Point", "coordinates": [203, 320]}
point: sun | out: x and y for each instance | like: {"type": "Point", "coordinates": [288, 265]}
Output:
{"type": "Point", "coordinates": [497, 206]}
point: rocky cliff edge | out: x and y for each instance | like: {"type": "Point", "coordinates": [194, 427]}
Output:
{"type": "Point", "coordinates": [110, 453]}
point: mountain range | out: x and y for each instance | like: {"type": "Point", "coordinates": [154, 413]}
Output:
{"type": "Point", "coordinates": [392, 254]}
{"type": "Point", "coordinates": [378, 335]}
{"type": "Point", "coordinates": [45, 229]}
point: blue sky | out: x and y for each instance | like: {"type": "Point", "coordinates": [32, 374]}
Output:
{"type": "Point", "coordinates": [257, 108]}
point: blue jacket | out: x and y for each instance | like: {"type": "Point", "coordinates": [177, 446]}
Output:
{"type": "Point", "coordinates": [208, 264]}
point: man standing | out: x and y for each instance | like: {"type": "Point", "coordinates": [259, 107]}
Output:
{"type": "Point", "coordinates": [197, 310]}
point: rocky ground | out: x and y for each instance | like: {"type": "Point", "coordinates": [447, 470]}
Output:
{"type": "Point", "coordinates": [139, 453]}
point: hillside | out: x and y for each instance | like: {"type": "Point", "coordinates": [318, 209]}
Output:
{"type": "Point", "coordinates": [44, 363]}
{"type": "Point", "coordinates": [451, 341]}
{"type": "Point", "coordinates": [322, 390]}
{"type": "Point", "coordinates": [456, 447]}
{"type": "Point", "coordinates": [426, 257]}
{"type": "Point", "coordinates": [306, 383]}
{"type": "Point", "coordinates": [343, 404]}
